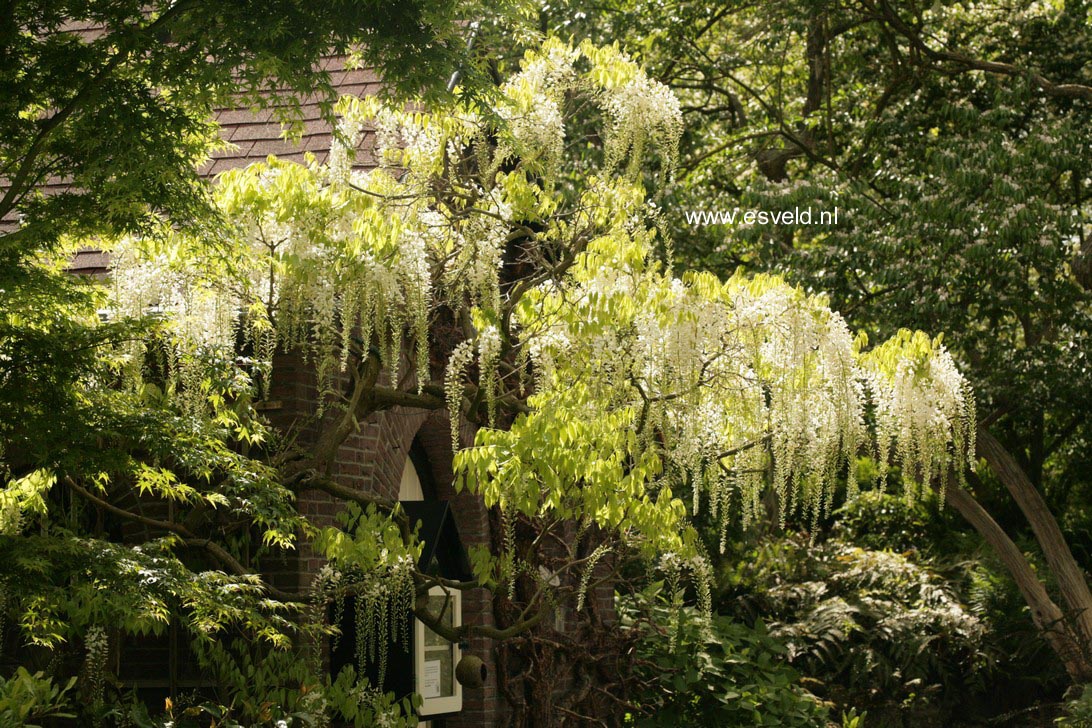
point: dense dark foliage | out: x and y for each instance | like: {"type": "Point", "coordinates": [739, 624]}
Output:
{"type": "Point", "coordinates": [952, 138]}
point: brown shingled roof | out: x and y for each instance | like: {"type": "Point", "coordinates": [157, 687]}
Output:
{"type": "Point", "coordinates": [254, 135]}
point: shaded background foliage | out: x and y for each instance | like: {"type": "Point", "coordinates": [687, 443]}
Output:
{"type": "Point", "coordinates": [965, 200]}
{"type": "Point", "coordinates": [964, 207]}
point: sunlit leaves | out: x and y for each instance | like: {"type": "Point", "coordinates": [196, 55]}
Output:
{"type": "Point", "coordinates": [23, 496]}
{"type": "Point", "coordinates": [637, 387]}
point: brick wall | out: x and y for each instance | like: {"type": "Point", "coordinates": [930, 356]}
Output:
{"type": "Point", "coordinates": [372, 460]}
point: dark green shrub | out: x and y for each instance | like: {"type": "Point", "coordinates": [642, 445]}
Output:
{"type": "Point", "coordinates": [26, 699]}
{"type": "Point", "coordinates": [722, 673]}
{"type": "Point", "coordinates": [878, 520]}
{"type": "Point", "coordinates": [871, 629]}
{"type": "Point", "coordinates": [1078, 712]}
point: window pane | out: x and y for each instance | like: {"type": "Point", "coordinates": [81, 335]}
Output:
{"type": "Point", "coordinates": [439, 657]}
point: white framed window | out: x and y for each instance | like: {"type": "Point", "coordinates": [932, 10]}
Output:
{"type": "Point", "coordinates": [435, 658]}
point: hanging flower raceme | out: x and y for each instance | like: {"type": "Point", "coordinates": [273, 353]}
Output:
{"type": "Point", "coordinates": [197, 319]}
{"type": "Point", "coordinates": [736, 386]}
{"type": "Point", "coordinates": [642, 387]}
{"type": "Point", "coordinates": [925, 414]}
{"type": "Point", "coordinates": [371, 565]}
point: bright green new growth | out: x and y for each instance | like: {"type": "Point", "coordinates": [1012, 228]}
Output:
{"type": "Point", "coordinates": [643, 386]}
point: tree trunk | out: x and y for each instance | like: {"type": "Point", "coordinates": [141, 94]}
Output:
{"type": "Point", "coordinates": [1044, 612]}
{"type": "Point", "coordinates": [1071, 580]}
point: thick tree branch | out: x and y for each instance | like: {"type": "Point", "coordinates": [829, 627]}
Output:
{"type": "Point", "coordinates": [1071, 579]}
{"type": "Point", "coordinates": [1062, 90]}
{"type": "Point", "coordinates": [315, 481]}
{"type": "Point", "coordinates": [461, 633]}
{"type": "Point", "coordinates": [1044, 612]}
{"type": "Point", "coordinates": [386, 397]}
{"type": "Point", "coordinates": [358, 407]}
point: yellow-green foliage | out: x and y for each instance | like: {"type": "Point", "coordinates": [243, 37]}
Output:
{"type": "Point", "coordinates": [643, 386]}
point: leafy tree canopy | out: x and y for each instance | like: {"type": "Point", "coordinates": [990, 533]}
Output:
{"type": "Point", "coordinates": [115, 99]}
{"type": "Point", "coordinates": [514, 244]}
{"type": "Point", "coordinates": [952, 139]}
{"type": "Point", "coordinates": [605, 384]}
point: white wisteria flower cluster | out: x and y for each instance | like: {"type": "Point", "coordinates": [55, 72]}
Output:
{"type": "Point", "coordinates": [643, 384]}
{"type": "Point", "coordinates": [732, 387]}
{"type": "Point", "coordinates": [924, 410]}
{"type": "Point", "coordinates": [332, 258]}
